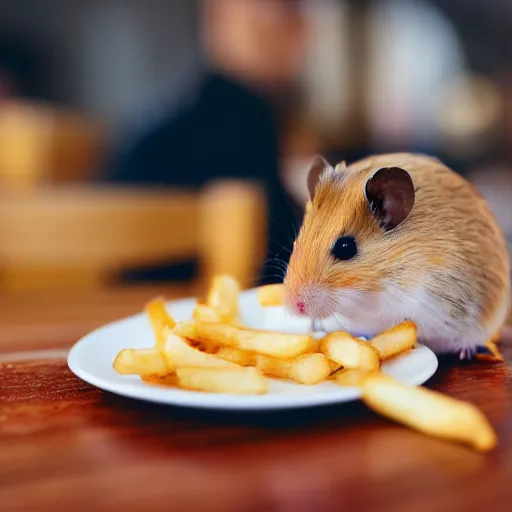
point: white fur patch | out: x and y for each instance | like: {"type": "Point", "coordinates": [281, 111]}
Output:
{"type": "Point", "coordinates": [367, 314]}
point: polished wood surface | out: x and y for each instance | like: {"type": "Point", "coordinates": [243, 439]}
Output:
{"type": "Point", "coordinates": [65, 445]}
{"type": "Point", "coordinates": [38, 320]}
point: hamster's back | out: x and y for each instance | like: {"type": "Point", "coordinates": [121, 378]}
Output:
{"type": "Point", "coordinates": [458, 239]}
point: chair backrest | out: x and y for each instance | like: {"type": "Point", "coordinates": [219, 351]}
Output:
{"type": "Point", "coordinates": [80, 236]}
{"type": "Point", "coordinates": [43, 144]}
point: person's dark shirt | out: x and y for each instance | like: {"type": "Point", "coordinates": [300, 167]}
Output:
{"type": "Point", "coordinates": [222, 130]}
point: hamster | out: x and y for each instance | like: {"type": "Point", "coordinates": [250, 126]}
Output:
{"type": "Point", "coordinates": [400, 237]}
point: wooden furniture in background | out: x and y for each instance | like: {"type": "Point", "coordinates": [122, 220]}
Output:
{"type": "Point", "coordinates": [65, 445]}
{"type": "Point", "coordinates": [79, 236]}
{"type": "Point", "coordinates": [41, 143]}
{"type": "Point", "coordinates": [233, 231]}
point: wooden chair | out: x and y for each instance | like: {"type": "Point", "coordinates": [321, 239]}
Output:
{"type": "Point", "coordinates": [80, 237]}
{"type": "Point", "coordinates": [43, 144]}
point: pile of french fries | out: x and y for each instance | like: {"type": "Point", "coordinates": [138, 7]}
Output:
{"type": "Point", "coordinates": [213, 352]}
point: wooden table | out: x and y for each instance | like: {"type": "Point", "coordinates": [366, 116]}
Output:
{"type": "Point", "coordinates": [65, 445]}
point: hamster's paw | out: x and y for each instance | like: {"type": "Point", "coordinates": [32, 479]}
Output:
{"type": "Point", "coordinates": [317, 325]}
{"type": "Point", "coordinates": [467, 353]}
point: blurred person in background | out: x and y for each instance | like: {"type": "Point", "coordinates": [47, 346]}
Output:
{"type": "Point", "coordinates": [228, 126]}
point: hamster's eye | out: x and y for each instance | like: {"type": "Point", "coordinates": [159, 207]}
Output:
{"type": "Point", "coordinates": [345, 248]}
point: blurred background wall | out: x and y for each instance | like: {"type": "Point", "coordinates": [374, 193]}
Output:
{"type": "Point", "coordinates": [120, 60]}
{"type": "Point", "coordinates": [432, 76]}
{"type": "Point", "coordinates": [111, 58]}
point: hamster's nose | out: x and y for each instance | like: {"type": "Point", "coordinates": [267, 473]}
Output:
{"type": "Point", "coordinates": [301, 307]}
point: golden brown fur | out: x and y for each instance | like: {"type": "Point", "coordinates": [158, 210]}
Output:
{"type": "Point", "coordinates": [450, 245]}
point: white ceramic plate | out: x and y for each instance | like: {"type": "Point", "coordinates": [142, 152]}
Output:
{"type": "Point", "coordinates": [91, 359]}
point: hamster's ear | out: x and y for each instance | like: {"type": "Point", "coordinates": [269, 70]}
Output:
{"type": "Point", "coordinates": [390, 194]}
{"type": "Point", "coordinates": [341, 167]}
{"type": "Point", "coordinates": [318, 166]}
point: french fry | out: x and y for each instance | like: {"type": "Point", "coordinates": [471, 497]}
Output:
{"type": "Point", "coordinates": [394, 341]}
{"type": "Point", "coordinates": [271, 295]}
{"type": "Point", "coordinates": [235, 355]}
{"type": "Point", "coordinates": [305, 369]}
{"type": "Point", "coordinates": [178, 353]}
{"type": "Point", "coordinates": [334, 366]}
{"type": "Point", "coordinates": [315, 345]}
{"type": "Point", "coordinates": [198, 345]}
{"type": "Point", "coordinates": [147, 361]}
{"type": "Point", "coordinates": [262, 342]}
{"type": "Point", "coordinates": [350, 378]}
{"type": "Point", "coordinates": [203, 313]}
{"type": "Point", "coordinates": [350, 352]}
{"type": "Point", "coordinates": [159, 318]}
{"type": "Point", "coordinates": [168, 380]}
{"type": "Point", "coordinates": [495, 354]}
{"type": "Point", "coordinates": [427, 411]}
{"type": "Point", "coordinates": [495, 351]}
{"type": "Point", "coordinates": [244, 381]}
{"type": "Point", "coordinates": [223, 298]}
